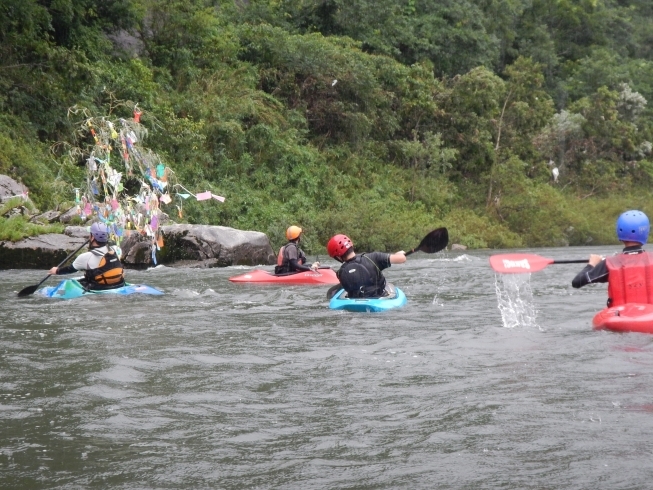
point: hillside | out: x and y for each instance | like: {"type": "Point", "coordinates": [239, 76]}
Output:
{"type": "Point", "coordinates": [512, 122]}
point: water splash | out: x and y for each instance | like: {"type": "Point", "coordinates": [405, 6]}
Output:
{"type": "Point", "coordinates": [515, 299]}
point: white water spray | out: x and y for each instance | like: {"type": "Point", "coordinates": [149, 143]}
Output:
{"type": "Point", "coordinates": [515, 299]}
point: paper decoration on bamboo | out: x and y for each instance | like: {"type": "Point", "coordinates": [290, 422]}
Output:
{"type": "Point", "coordinates": [116, 157]}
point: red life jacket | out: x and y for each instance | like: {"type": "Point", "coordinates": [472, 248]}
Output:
{"type": "Point", "coordinates": [283, 262]}
{"type": "Point", "coordinates": [630, 278]}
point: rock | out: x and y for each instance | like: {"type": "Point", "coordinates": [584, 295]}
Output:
{"type": "Point", "coordinates": [457, 246]}
{"type": "Point", "coordinates": [184, 246]}
{"type": "Point", "coordinates": [69, 215]}
{"type": "Point", "coordinates": [201, 245]}
{"type": "Point", "coordinates": [77, 231]}
{"type": "Point", "coordinates": [40, 252]}
{"type": "Point", "coordinates": [47, 217]}
{"type": "Point", "coordinates": [137, 250]}
{"type": "Point", "coordinates": [17, 211]}
{"type": "Point", "coordinates": [10, 188]}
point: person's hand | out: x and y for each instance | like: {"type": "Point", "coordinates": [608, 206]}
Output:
{"type": "Point", "coordinates": [401, 252]}
{"type": "Point", "coordinates": [595, 260]}
{"type": "Point", "coordinates": [53, 271]}
{"type": "Point", "coordinates": [315, 265]}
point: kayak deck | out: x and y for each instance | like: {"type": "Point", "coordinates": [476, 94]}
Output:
{"type": "Point", "coordinates": [631, 317]}
{"type": "Point", "coordinates": [71, 288]}
{"type": "Point", "coordinates": [320, 276]}
{"type": "Point", "coordinates": [395, 299]}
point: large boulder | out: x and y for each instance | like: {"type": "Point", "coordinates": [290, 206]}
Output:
{"type": "Point", "coordinates": [184, 245]}
{"type": "Point", "coordinates": [39, 252]}
{"type": "Point", "coordinates": [200, 246]}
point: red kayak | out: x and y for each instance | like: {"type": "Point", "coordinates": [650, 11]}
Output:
{"type": "Point", "coordinates": [320, 276]}
{"type": "Point", "coordinates": [631, 317]}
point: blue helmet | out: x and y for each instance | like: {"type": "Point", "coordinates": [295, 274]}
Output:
{"type": "Point", "coordinates": [100, 232]}
{"type": "Point", "coordinates": [633, 226]}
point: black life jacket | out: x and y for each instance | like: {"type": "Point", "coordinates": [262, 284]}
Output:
{"type": "Point", "coordinates": [283, 262]}
{"type": "Point", "coordinates": [108, 275]}
{"type": "Point", "coordinates": [362, 278]}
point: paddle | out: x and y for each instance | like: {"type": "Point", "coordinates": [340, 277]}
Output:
{"type": "Point", "coordinates": [32, 289]}
{"type": "Point", "coordinates": [522, 263]}
{"type": "Point", "coordinates": [435, 241]}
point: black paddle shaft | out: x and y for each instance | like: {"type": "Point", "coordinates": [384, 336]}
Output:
{"type": "Point", "coordinates": [32, 289]}
{"type": "Point", "coordinates": [576, 261]}
{"type": "Point", "coordinates": [433, 242]}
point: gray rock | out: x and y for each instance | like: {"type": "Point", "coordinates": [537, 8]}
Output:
{"type": "Point", "coordinates": [47, 217]}
{"type": "Point", "coordinates": [68, 216]}
{"type": "Point", "coordinates": [203, 245]}
{"type": "Point", "coordinates": [10, 188]}
{"type": "Point", "coordinates": [184, 246]}
{"type": "Point", "coordinates": [137, 250]}
{"type": "Point", "coordinates": [40, 252]}
{"type": "Point", "coordinates": [457, 246]}
{"type": "Point", "coordinates": [77, 231]}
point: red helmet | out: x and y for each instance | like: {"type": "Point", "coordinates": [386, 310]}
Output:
{"type": "Point", "coordinates": [338, 245]}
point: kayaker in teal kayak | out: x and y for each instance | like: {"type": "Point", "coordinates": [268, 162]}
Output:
{"type": "Point", "coordinates": [291, 258]}
{"type": "Point", "coordinates": [102, 266]}
{"type": "Point", "coordinates": [360, 275]}
{"type": "Point", "coordinates": [623, 272]}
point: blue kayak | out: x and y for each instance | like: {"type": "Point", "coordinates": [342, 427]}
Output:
{"type": "Point", "coordinates": [71, 288]}
{"type": "Point", "coordinates": [395, 299]}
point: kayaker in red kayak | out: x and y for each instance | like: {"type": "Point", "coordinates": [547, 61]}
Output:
{"type": "Point", "coordinates": [360, 275]}
{"type": "Point", "coordinates": [624, 271]}
{"type": "Point", "coordinates": [291, 258]}
{"type": "Point", "coordinates": [102, 266]}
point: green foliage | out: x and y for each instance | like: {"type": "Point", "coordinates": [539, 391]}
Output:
{"type": "Point", "coordinates": [472, 105]}
{"type": "Point", "coordinates": [380, 119]}
{"type": "Point", "coordinates": [474, 231]}
{"type": "Point", "coordinates": [17, 227]}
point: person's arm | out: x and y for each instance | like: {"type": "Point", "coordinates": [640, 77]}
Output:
{"type": "Point", "coordinates": [398, 257]}
{"type": "Point", "coordinates": [69, 269]}
{"type": "Point", "coordinates": [80, 264]}
{"type": "Point", "coordinates": [296, 259]}
{"type": "Point", "coordinates": [595, 271]}
{"type": "Point", "coordinates": [296, 265]}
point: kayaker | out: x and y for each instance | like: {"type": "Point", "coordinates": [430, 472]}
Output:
{"type": "Point", "coordinates": [360, 275]}
{"type": "Point", "coordinates": [624, 271]}
{"type": "Point", "coordinates": [291, 258]}
{"type": "Point", "coordinates": [102, 266]}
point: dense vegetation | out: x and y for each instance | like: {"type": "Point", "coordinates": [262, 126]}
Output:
{"type": "Point", "coordinates": [382, 119]}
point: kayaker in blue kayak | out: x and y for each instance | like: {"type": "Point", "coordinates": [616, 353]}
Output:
{"type": "Point", "coordinates": [360, 275]}
{"type": "Point", "coordinates": [623, 271]}
{"type": "Point", "coordinates": [102, 266]}
{"type": "Point", "coordinates": [291, 258]}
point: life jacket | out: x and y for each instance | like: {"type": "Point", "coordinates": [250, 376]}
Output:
{"type": "Point", "coordinates": [283, 262]}
{"type": "Point", "coordinates": [362, 278]}
{"type": "Point", "coordinates": [630, 278]}
{"type": "Point", "coordinates": [109, 273]}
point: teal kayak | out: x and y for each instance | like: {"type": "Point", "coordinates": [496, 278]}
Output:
{"type": "Point", "coordinates": [395, 299]}
{"type": "Point", "coordinates": [71, 288]}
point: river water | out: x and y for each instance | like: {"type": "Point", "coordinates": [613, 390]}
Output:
{"type": "Point", "coordinates": [219, 385]}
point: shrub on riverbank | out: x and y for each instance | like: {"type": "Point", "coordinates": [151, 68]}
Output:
{"type": "Point", "coordinates": [269, 105]}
